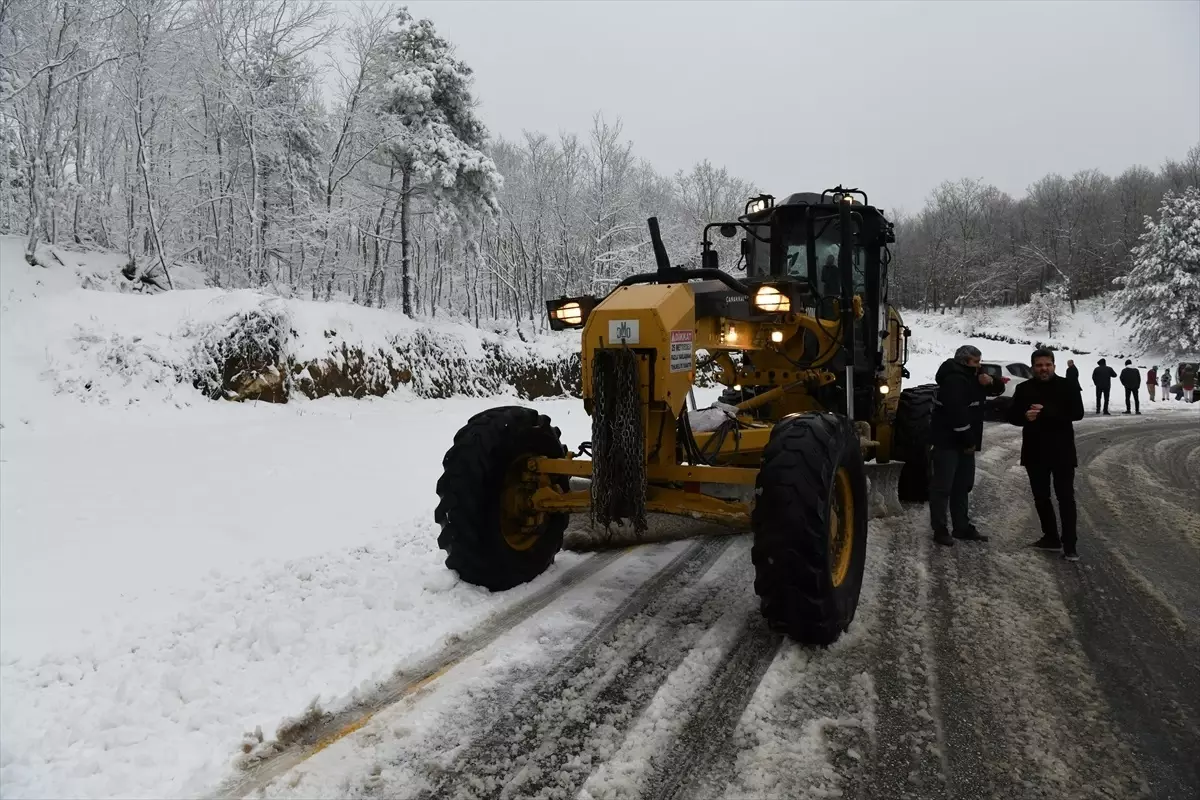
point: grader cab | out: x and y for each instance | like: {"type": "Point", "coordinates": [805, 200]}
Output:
{"type": "Point", "coordinates": [812, 357]}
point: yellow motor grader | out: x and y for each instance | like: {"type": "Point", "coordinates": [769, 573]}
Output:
{"type": "Point", "coordinates": [812, 357]}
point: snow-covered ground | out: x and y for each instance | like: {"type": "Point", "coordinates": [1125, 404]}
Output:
{"type": "Point", "coordinates": [1085, 336]}
{"type": "Point", "coordinates": [172, 581]}
{"type": "Point", "coordinates": [175, 572]}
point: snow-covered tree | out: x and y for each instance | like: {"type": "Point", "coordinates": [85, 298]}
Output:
{"type": "Point", "coordinates": [1047, 308]}
{"type": "Point", "coordinates": [434, 138]}
{"type": "Point", "coordinates": [226, 135]}
{"type": "Point", "coordinates": [1160, 297]}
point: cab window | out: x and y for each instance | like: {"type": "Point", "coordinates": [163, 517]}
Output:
{"type": "Point", "coordinates": [758, 261]}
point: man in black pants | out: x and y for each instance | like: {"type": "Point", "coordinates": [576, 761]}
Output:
{"type": "Point", "coordinates": [1131, 379]}
{"type": "Point", "coordinates": [1102, 376]}
{"type": "Point", "coordinates": [1047, 408]}
{"type": "Point", "coordinates": [956, 433]}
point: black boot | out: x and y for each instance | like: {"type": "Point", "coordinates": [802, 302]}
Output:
{"type": "Point", "coordinates": [1047, 543]}
{"type": "Point", "coordinates": [971, 534]}
{"type": "Point", "coordinates": [942, 536]}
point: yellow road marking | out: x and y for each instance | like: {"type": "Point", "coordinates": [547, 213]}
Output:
{"type": "Point", "coordinates": [359, 723]}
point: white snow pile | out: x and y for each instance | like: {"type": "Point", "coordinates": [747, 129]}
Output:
{"type": "Point", "coordinates": [126, 347]}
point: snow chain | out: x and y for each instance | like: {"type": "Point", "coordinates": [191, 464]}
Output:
{"type": "Point", "coordinates": [618, 441]}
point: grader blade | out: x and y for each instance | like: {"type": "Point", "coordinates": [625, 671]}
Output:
{"type": "Point", "coordinates": [585, 535]}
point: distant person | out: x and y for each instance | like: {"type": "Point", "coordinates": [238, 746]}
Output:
{"type": "Point", "coordinates": [956, 433]}
{"type": "Point", "coordinates": [1102, 377]}
{"type": "Point", "coordinates": [1073, 373]}
{"type": "Point", "coordinates": [1151, 381]}
{"type": "Point", "coordinates": [1186, 388]}
{"type": "Point", "coordinates": [1166, 384]}
{"type": "Point", "coordinates": [1047, 408]}
{"type": "Point", "coordinates": [1131, 379]}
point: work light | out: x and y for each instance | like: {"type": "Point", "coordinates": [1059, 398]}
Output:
{"type": "Point", "coordinates": [569, 312]}
{"type": "Point", "coordinates": [771, 300]}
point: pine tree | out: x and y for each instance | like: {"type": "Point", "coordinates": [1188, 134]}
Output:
{"type": "Point", "coordinates": [1160, 297]}
{"type": "Point", "coordinates": [434, 138]}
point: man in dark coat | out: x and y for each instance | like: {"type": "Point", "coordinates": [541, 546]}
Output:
{"type": "Point", "coordinates": [1102, 377]}
{"type": "Point", "coordinates": [1047, 408]}
{"type": "Point", "coordinates": [956, 434]}
{"type": "Point", "coordinates": [1131, 379]}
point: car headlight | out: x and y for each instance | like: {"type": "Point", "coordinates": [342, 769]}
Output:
{"type": "Point", "coordinates": [569, 312]}
{"type": "Point", "coordinates": [771, 300]}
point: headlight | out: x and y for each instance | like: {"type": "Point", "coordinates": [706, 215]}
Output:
{"type": "Point", "coordinates": [569, 312]}
{"type": "Point", "coordinates": [771, 300]}
{"type": "Point", "coordinates": [776, 336]}
{"type": "Point", "coordinates": [884, 389]}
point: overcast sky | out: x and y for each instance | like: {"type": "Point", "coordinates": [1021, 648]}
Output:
{"type": "Point", "coordinates": [892, 97]}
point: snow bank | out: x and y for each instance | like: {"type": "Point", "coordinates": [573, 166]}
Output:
{"type": "Point", "coordinates": [111, 345]}
{"type": "Point", "coordinates": [1002, 335]}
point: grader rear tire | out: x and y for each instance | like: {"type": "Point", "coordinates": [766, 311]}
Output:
{"type": "Point", "coordinates": [810, 527]}
{"type": "Point", "coordinates": [911, 442]}
{"type": "Point", "coordinates": [488, 532]}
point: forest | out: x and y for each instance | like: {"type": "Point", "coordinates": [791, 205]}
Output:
{"type": "Point", "coordinates": [213, 133]}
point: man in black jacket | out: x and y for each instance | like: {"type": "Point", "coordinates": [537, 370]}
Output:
{"type": "Point", "coordinates": [1131, 379]}
{"type": "Point", "coordinates": [956, 433]}
{"type": "Point", "coordinates": [1047, 408]}
{"type": "Point", "coordinates": [1102, 377]}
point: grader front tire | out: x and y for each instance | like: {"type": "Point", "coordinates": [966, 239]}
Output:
{"type": "Point", "coordinates": [810, 527]}
{"type": "Point", "coordinates": [911, 441]}
{"type": "Point", "coordinates": [490, 534]}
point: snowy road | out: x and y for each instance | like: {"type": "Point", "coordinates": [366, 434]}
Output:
{"type": "Point", "coordinates": [979, 671]}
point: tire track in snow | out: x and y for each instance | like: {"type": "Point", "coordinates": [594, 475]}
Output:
{"type": "Point", "coordinates": [665, 702]}
{"type": "Point", "coordinates": [905, 756]}
{"type": "Point", "coordinates": [933, 723]}
{"type": "Point", "coordinates": [1023, 714]}
{"type": "Point", "coordinates": [808, 723]}
{"type": "Point", "coordinates": [544, 738]}
{"type": "Point", "coordinates": [684, 763]}
{"type": "Point", "coordinates": [1145, 660]}
{"type": "Point", "coordinates": [300, 744]}
{"type": "Point", "coordinates": [1155, 532]}
{"type": "Point", "coordinates": [983, 690]}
